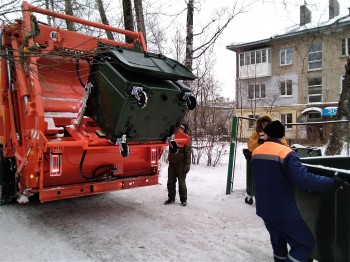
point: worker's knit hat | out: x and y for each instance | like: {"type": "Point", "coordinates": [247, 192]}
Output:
{"type": "Point", "coordinates": [275, 129]}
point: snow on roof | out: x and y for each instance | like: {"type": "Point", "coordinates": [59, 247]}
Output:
{"type": "Point", "coordinates": [297, 30]}
{"type": "Point", "coordinates": [314, 25]}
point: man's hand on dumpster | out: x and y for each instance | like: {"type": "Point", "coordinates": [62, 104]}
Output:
{"type": "Point", "coordinates": [338, 181]}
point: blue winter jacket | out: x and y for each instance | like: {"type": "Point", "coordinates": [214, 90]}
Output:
{"type": "Point", "coordinates": [277, 169]}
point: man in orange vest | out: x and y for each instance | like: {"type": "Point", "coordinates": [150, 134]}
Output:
{"type": "Point", "coordinates": [277, 168]}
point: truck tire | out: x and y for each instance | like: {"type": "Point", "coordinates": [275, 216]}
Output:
{"type": "Point", "coordinates": [7, 179]}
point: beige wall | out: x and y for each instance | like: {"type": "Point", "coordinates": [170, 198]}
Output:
{"type": "Point", "coordinates": [332, 64]}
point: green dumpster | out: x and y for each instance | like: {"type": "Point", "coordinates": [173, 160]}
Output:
{"type": "Point", "coordinates": [249, 176]}
{"type": "Point", "coordinates": [306, 151]}
{"type": "Point", "coordinates": [328, 215]}
{"type": "Point", "coordinates": [137, 95]}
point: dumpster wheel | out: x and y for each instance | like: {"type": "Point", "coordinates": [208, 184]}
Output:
{"type": "Point", "coordinates": [249, 200]}
{"type": "Point", "coordinates": [125, 150]}
{"type": "Point", "coordinates": [142, 100]}
{"type": "Point", "coordinates": [191, 102]}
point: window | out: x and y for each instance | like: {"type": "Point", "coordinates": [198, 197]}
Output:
{"type": "Point", "coordinates": [247, 58]}
{"type": "Point", "coordinates": [315, 56]}
{"type": "Point", "coordinates": [256, 91]}
{"type": "Point", "coordinates": [263, 55]}
{"type": "Point", "coordinates": [254, 57]}
{"type": "Point", "coordinates": [342, 79]}
{"type": "Point", "coordinates": [286, 56]}
{"type": "Point", "coordinates": [315, 90]}
{"type": "Point", "coordinates": [286, 119]}
{"type": "Point", "coordinates": [286, 88]}
{"type": "Point", "coordinates": [313, 116]}
{"type": "Point", "coordinates": [251, 123]}
{"type": "Point", "coordinates": [258, 57]}
{"type": "Point", "coordinates": [241, 59]}
{"type": "Point", "coordinates": [345, 46]}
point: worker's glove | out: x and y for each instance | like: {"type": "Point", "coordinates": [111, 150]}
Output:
{"type": "Point", "coordinates": [187, 169]}
{"type": "Point", "coordinates": [338, 181]}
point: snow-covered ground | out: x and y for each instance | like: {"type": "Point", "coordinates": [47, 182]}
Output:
{"type": "Point", "coordinates": [134, 225]}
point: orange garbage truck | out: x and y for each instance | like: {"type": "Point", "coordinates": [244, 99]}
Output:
{"type": "Point", "coordinates": [81, 114]}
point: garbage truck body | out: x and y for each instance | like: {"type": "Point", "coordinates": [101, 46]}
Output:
{"type": "Point", "coordinates": [80, 114]}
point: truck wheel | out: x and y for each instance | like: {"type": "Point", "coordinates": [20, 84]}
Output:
{"type": "Point", "coordinates": [7, 179]}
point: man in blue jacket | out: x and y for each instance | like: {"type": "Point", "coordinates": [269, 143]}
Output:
{"type": "Point", "coordinates": [277, 169]}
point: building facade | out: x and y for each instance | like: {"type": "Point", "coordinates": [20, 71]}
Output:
{"type": "Point", "coordinates": [296, 76]}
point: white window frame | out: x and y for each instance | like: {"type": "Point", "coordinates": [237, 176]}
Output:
{"type": "Point", "coordinates": [254, 57]}
{"type": "Point", "coordinates": [314, 88]}
{"type": "Point", "coordinates": [345, 46]}
{"type": "Point", "coordinates": [286, 56]}
{"type": "Point", "coordinates": [251, 123]}
{"type": "Point", "coordinates": [342, 78]}
{"type": "Point", "coordinates": [287, 119]}
{"type": "Point", "coordinates": [284, 86]}
{"type": "Point", "coordinates": [258, 91]}
{"type": "Point", "coordinates": [315, 57]}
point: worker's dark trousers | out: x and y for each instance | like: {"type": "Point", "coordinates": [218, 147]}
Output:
{"type": "Point", "coordinates": [177, 172]}
{"type": "Point", "coordinates": [297, 234]}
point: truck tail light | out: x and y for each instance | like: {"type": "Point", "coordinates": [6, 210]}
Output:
{"type": "Point", "coordinates": [55, 164]}
{"type": "Point", "coordinates": [153, 156]}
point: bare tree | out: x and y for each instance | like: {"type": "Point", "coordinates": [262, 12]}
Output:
{"type": "Point", "coordinates": [189, 35]}
{"type": "Point", "coordinates": [209, 36]}
{"type": "Point", "coordinates": [104, 19]}
{"type": "Point", "coordinates": [140, 21]}
{"type": "Point", "coordinates": [128, 19]}
{"type": "Point", "coordinates": [179, 44]}
{"type": "Point", "coordinates": [68, 7]}
{"type": "Point", "coordinates": [340, 132]}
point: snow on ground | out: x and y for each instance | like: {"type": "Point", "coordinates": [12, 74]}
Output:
{"type": "Point", "coordinates": [134, 225]}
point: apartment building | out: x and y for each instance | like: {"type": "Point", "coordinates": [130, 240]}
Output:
{"type": "Point", "coordinates": [296, 76]}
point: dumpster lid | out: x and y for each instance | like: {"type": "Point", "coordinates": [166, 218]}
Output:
{"type": "Point", "coordinates": [331, 169]}
{"type": "Point", "coordinates": [155, 65]}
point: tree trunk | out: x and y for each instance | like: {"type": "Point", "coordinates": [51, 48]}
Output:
{"type": "Point", "coordinates": [104, 19]}
{"type": "Point", "coordinates": [53, 9]}
{"type": "Point", "coordinates": [140, 21]}
{"type": "Point", "coordinates": [47, 6]}
{"type": "Point", "coordinates": [69, 11]}
{"type": "Point", "coordinates": [189, 35]}
{"type": "Point", "coordinates": [340, 132]}
{"type": "Point", "coordinates": [128, 19]}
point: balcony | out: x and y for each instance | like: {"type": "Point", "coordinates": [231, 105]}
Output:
{"type": "Point", "coordinates": [255, 70]}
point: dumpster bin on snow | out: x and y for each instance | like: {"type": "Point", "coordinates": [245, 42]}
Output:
{"type": "Point", "coordinates": [328, 215]}
{"type": "Point", "coordinates": [249, 177]}
{"type": "Point", "coordinates": [306, 151]}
